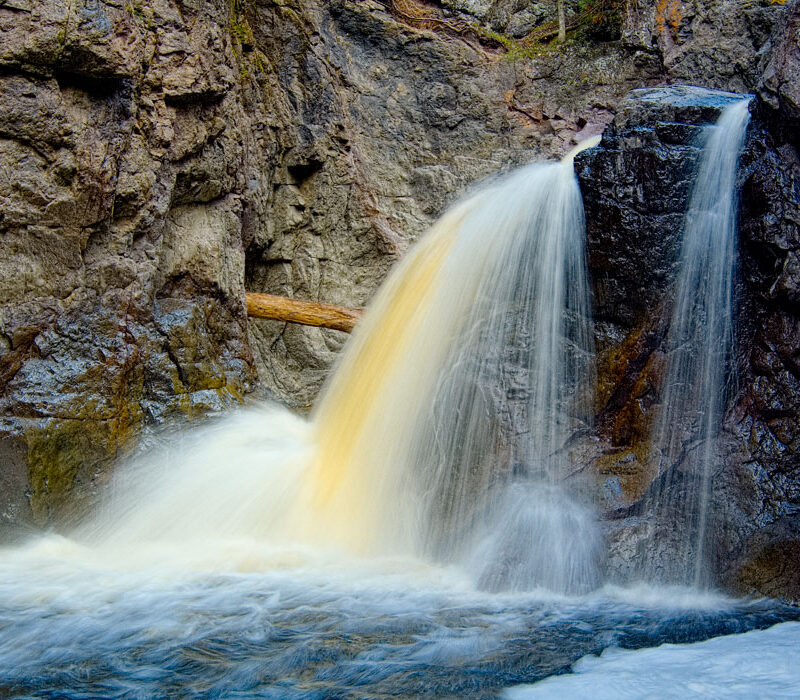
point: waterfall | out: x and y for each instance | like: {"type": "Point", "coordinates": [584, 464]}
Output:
{"type": "Point", "coordinates": [443, 434]}
{"type": "Point", "coordinates": [446, 422]}
{"type": "Point", "coordinates": [700, 346]}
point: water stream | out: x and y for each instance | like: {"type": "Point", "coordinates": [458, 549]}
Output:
{"type": "Point", "coordinates": [700, 345]}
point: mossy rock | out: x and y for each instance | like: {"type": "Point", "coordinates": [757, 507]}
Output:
{"type": "Point", "coordinates": [773, 572]}
{"type": "Point", "coordinates": [63, 454]}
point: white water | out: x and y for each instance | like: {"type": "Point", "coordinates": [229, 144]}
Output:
{"type": "Point", "coordinates": [762, 664]}
{"type": "Point", "coordinates": [206, 591]}
{"type": "Point", "coordinates": [700, 344]}
{"type": "Point", "coordinates": [463, 382]}
{"type": "Point", "coordinates": [441, 435]}
{"type": "Point", "coordinates": [75, 623]}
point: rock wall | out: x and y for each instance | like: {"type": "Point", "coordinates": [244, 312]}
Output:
{"type": "Point", "coordinates": [132, 188]}
{"type": "Point", "coordinates": [162, 157]}
{"type": "Point", "coordinates": [636, 190]}
{"type": "Point", "coordinates": [417, 105]}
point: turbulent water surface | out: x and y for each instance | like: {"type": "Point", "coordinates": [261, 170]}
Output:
{"type": "Point", "coordinates": [74, 628]}
{"type": "Point", "coordinates": [194, 584]}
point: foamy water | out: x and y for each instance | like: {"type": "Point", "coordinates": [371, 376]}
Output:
{"type": "Point", "coordinates": [306, 625]}
{"type": "Point", "coordinates": [199, 604]}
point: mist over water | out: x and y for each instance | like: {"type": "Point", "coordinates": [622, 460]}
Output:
{"type": "Point", "coordinates": [463, 383]}
{"type": "Point", "coordinates": [441, 435]}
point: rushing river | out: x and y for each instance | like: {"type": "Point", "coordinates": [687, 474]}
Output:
{"type": "Point", "coordinates": [71, 627]}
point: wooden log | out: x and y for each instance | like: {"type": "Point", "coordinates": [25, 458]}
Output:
{"type": "Point", "coordinates": [308, 313]}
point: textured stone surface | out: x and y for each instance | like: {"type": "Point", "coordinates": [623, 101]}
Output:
{"type": "Point", "coordinates": [755, 488]}
{"type": "Point", "coordinates": [706, 42]}
{"type": "Point", "coordinates": [779, 86]}
{"type": "Point", "coordinates": [127, 139]}
{"type": "Point", "coordinates": [636, 188]}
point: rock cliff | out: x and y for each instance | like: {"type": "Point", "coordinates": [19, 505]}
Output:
{"type": "Point", "coordinates": [636, 186]}
{"type": "Point", "coordinates": [162, 157]}
{"type": "Point", "coordinates": [132, 185]}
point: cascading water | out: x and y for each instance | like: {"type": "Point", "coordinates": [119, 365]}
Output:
{"type": "Point", "coordinates": [461, 388]}
{"type": "Point", "coordinates": [443, 433]}
{"type": "Point", "coordinates": [228, 564]}
{"type": "Point", "coordinates": [700, 344]}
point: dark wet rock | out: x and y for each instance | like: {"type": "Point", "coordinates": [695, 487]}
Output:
{"type": "Point", "coordinates": [764, 417]}
{"type": "Point", "coordinates": [636, 187]}
{"type": "Point", "coordinates": [779, 86]}
{"type": "Point", "coordinates": [647, 157]}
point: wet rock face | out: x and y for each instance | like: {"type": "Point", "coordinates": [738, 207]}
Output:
{"type": "Point", "coordinates": [636, 186]}
{"type": "Point", "coordinates": [779, 86]}
{"type": "Point", "coordinates": [633, 248]}
{"type": "Point", "coordinates": [766, 414]}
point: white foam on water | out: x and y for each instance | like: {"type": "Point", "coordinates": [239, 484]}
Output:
{"type": "Point", "coordinates": [757, 664]}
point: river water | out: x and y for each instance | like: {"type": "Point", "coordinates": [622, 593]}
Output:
{"type": "Point", "coordinates": [74, 627]}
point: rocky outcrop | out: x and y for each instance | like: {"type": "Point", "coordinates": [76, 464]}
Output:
{"type": "Point", "coordinates": [636, 190]}
{"type": "Point", "coordinates": [132, 188]}
{"type": "Point", "coordinates": [779, 86]}
{"type": "Point", "coordinates": [706, 42]}
{"type": "Point", "coordinates": [417, 105]}
{"type": "Point", "coordinates": [765, 417]}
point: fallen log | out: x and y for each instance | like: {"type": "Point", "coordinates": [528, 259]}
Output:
{"type": "Point", "coordinates": [308, 313]}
